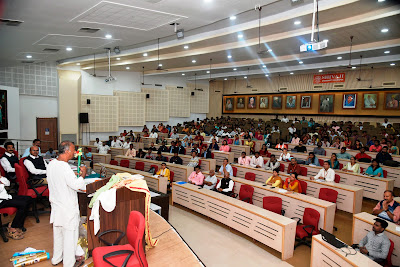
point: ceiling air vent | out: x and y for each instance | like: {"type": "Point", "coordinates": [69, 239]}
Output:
{"type": "Point", "coordinates": [27, 62]}
{"type": "Point", "coordinates": [217, 91]}
{"type": "Point", "coordinates": [389, 84]}
{"type": "Point", "coordinates": [159, 85]}
{"type": "Point", "coordinates": [11, 22]}
{"type": "Point", "coordinates": [283, 89]}
{"type": "Point", "coordinates": [337, 86]}
{"type": "Point", "coordinates": [88, 30]}
{"type": "Point", "coordinates": [317, 86]}
{"type": "Point", "coordinates": [254, 90]}
{"type": "Point", "coordinates": [179, 87]}
{"type": "Point", "coordinates": [51, 50]}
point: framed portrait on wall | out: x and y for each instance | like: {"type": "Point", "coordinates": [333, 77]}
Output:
{"type": "Point", "coordinates": [240, 103]}
{"type": "Point", "coordinates": [370, 101]}
{"type": "Point", "coordinates": [291, 101]}
{"type": "Point", "coordinates": [264, 102]}
{"type": "Point", "coordinates": [3, 110]}
{"type": "Point", "coordinates": [326, 103]}
{"type": "Point", "coordinates": [229, 104]}
{"type": "Point", "coordinates": [277, 102]}
{"type": "Point", "coordinates": [392, 100]}
{"type": "Point", "coordinates": [349, 100]}
{"type": "Point", "coordinates": [305, 101]}
{"type": "Point", "coordinates": [252, 103]}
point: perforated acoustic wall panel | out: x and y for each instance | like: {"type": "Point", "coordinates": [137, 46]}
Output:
{"type": "Point", "coordinates": [199, 102]}
{"type": "Point", "coordinates": [103, 112]}
{"type": "Point", "coordinates": [132, 107]}
{"type": "Point", "coordinates": [157, 105]}
{"type": "Point", "coordinates": [179, 101]}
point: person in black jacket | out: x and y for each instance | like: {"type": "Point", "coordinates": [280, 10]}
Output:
{"type": "Point", "coordinates": [383, 156]}
{"type": "Point", "coordinates": [213, 145]}
{"type": "Point", "coordinates": [163, 147]}
{"type": "Point", "coordinates": [205, 153]}
{"type": "Point", "coordinates": [300, 148]}
{"type": "Point", "coordinates": [160, 157]}
{"type": "Point", "coordinates": [180, 148]}
{"type": "Point", "coordinates": [176, 159]}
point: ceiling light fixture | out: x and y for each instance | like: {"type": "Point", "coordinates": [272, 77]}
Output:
{"type": "Point", "coordinates": [320, 71]}
{"type": "Point", "coordinates": [385, 30]}
{"type": "Point", "coordinates": [245, 77]}
{"type": "Point", "coordinates": [186, 47]}
{"type": "Point", "coordinates": [339, 57]}
{"type": "Point", "coordinates": [145, 54]}
{"type": "Point", "coordinates": [28, 56]}
{"type": "Point", "coordinates": [232, 17]}
{"type": "Point", "coordinates": [78, 64]}
{"type": "Point", "coordinates": [240, 36]}
{"type": "Point", "coordinates": [194, 61]}
{"type": "Point", "coordinates": [300, 62]}
{"type": "Point", "coordinates": [392, 64]}
{"type": "Point", "coordinates": [291, 73]}
{"type": "Point", "coordinates": [183, 74]}
{"type": "Point", "coordinates": [160, 65]}
{"type": "Point", "coordinates": [387, 52]}
{"type": "Point", "coordinates": [108, 36]}
{"type": "Point", "coordinates": [353, 67]}
{"type": "Point", "coordinates": [225, 79]}
{"type": "Point", "coordinates": [264, 66]}
{"type": "Point", "coordinates": [297, 22]}
{"type": "Point", "coordinates": [270, 50]}
{"type": "Point", "coordinates": [229, 56]}
{"type": "Point", "coordinates": [325, 40]}
{"type": "Point", "coordinates": [266, 75]}
{"type": "Point", "coordinates": [68, 48]}
{"type": "Point", "coordinates": [381, 1]}
{"type": "Point", "coordinates": [208, 72]}
{"type": "Point", "coordinates": [118, 58]}
{"type": "Point", "coordinates": [235, 69]}
{"type": "Point", "coordinates": [127, 68]}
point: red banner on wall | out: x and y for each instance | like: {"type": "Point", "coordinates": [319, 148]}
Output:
{"type": "Point", "coordinates": [330, 78]}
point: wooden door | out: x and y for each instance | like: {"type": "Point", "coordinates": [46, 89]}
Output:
{"type": "Point", "coordinates": [47, 132]}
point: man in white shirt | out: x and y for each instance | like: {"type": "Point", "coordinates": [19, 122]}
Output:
{"type": "Point", "coordinates": [226, 167]}
{"type": "Point", "coordinates": [174, 135]}
{"type": "Point", "coordinates": [295, 139]}
{"type": "Point", "coordinates": [97, 143]}
{"type": "Point", "coordinates": [325, 173]}
{"type": "Point", "coordinates": [292, 129]}
{"type": "Point", "coordinates": [284, 119]}
{"type": "Point", "coordinates": [63, 187]}
{"type": "Point", "coordinates": [244, 160]}
{"type": "Point", "coordinates": [225, 186]}
{"type": "Point", "coordinates": [386, 123]}
{"type": "Point", "coordinates": [127, 143]}
{"type": "Point", "coordinates": [103, 148]}
{"type": "Point", "coordinates": [35, 142]}
{"type": "Point", "coordinates": [8, 160]}
{"type": "Point", "coordinates": [257, 161]}
{"type": "Point", "coordinates": [36, 165]}
{"type": "Point", "coordinates": [116, 143]}
{"type": "Point", "coordinates": [214, 136]}
{"type": "Point", "coordinates": [153, 134]}
{"type": "Point", "coordinates": [211, 180]}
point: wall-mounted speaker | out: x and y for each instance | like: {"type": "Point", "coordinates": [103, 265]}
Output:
{"type": "Point", "coordinates": [192, 93]}
{"type": "Point", "coordinates": [88, 101]}
{"type": "Point", "coordinates": [147, 95]}
{"type": "Point", "coordinates": [83, 117]}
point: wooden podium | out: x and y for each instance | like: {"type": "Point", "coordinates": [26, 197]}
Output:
{"type": "Point", "coordinates": [126, 202]}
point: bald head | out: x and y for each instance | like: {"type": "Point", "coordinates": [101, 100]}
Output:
{"type": "Point", "coordinates": [34, 150]}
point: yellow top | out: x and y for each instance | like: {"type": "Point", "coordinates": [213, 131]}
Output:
{"type": "Point", "coordinates": [276, 181]}
{"type": "Point", "coordinates": [164, 172]}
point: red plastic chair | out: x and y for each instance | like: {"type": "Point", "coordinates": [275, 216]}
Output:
{"type": "Point", "coordinates": [212, 155]}
{"type": "Point", "coordinates": [340, 165]}
{"type": "Point", "coordinates": [259, 137]}
{"type": "Point", "coordinates": [114, 162]}
{"type": "Point", "coordinates": [361, 169]}
{"type": "Point", "coordinates": [2, 151]}
{"type": "Point", "coordinates": [273, 204]}
{"type": "Point", "coordinates": [265, 161]}
{"type": "Point", "coordinates": [250, 176]}
{"type": "Point", "coordinates": [171, 176]}
{"type": "Point", "coordinates": [321, 162]}
{"type": "Point", "coordinates": [282, 167]}
{"type": "Point", "coordinates": [155, 168]}
{"type": "Point", "coordinates": [124, 163]}
{"type": "Point", "coordinates": [242, 142]}
{"type": "Point", "coordinates": [337, 178]}
{"type": "Point", "coordinates": [246, 193]}
{"type": "Point", "coordinates": [2, 171]}
{"type": "Point", "coordinates": [36, 192]}
{"type": "Point", "coordinates": [139, 166]}
{"type": "Point", "coordinates": [135, 234]}
{"type": "Point", "coordinates": [268, 154]}
{"type": "Point", "coordinates": [199, 162]}
{"type": "Point", "coordinates": [388, 262]}
{"type": "Point", "coordinates": [384, 174]}
{"type": "Point", "coordinates": [308, 228]}
{"type": "Point", "coordinates": [330, 195]}
{"type": "Point", "coordinates": [303, 171]}
{"type": "Point", "coordinates": [89, 149]}
{"type": "Point", "coordinates": [234, 170]}
{"type": "Point", "coordinates": [303, 185]}
{"type": "Point", "coordinates": [9, 211]}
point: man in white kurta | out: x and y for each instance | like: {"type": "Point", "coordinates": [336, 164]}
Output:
{"type": "Point", "coordinates": [63, 186]}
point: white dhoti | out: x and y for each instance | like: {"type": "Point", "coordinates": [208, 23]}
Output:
{"type": "Point", "coordinates": [64, 245]}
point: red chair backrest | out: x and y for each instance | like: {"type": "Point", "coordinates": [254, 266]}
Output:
{"type": "Point", "coordinates": [2, 172]}
{"type": "Point", "coordinates": [124, 163]}
{"type": "Point", "coordinates": [328, 194]}
{"type": "Point", "coordinates": [311, 217]}
{"type": "Point", "coordinates": [155, 168]}
{"type": "Point", "coordinates": [234, 170]}
{"type": "Point", "coordinates": [22, 177]}
{"type": "Point", "coordinates": [268, 154]}
{"type": "Point", "coordinates": [303, 171]}
{"type": "Point", "coordinates": [246, 191]}
{"type": "Point", "coordinates": [199, 162]}
{"type": "Point", "coordinates": [325, 153]}
{"type": "Point", "coordinates": [171, 176]}
{"type": "Point", "coordinates": [384, 174]}
{"type": "Point", "coordinates": [340, 165]}
{"type": "Point", "coordinates": [259, 137]}
{"type": "Point", "coordinates": [250, 176]}
{"type": "Point", "coordinates": [212, 155]}
{"type": "Point", "coordinates": [273, 204]}
{"type": "Point", "coordinates": [265, 161]}
{"type": "Point", "coordinates": [166, 159]}
{"type": "Point", "coordinates": [337, 178]}
{"type": "Point", "coordinates": [114, 162]}
{"type": "Point", "coordinates": [321, 162]}
{"type": "Point", "coordinates": [303, 185]}
{"type": "Point", "coordinates": [282, 167]}
{"type": "Point", "coordinates": [362, 169]}
{"type": "Point", "coordinates": [2, 151]}
{"type": "Point", "coordinates": [242, 142]}
{"type": "Point", "coordinates": [388, 262]}
{"type": "Point", "coordinates": [89, 149]}
{"type": "Point", "coordinates": [139, 166]}
{"type": "Point", "coordinates": [135, 233]}
{"type": "Point", "coordinates": [21, 162]}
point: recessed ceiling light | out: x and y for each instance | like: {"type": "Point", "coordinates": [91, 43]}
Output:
{"type": "Point", "coordinates": [245, 77]}
{"type": "Point", "coordinates": [145, 54]}
{"type": "Point", "coordinates": [186, 47]}
{"type": "Point", "coordinates": [300, 62]}
{"type": "Point", "coordinates": [297, 22]}
{"type": "Point", "coordinates": [235, 69]}
{"type": "Point", "coordinates": [183, 74]}
{"type": "Point", "coordinates": [78, 64]}
{"type": "Point", "coordinates": [108, 36]}
{"type": "Point", "coordinates": [339, 57]}
{"type": "Point", "coordinates": [68, 48]}
{"type": "Point", "coordinates": [270, 50]}
{"type": "Point", "coordinates": [320, 71]}
{"type": "Point", "coordinates": [266, 75]}
{"type": "Point", "coordinates": [28, 56]}
{"type": "Point", "coordinates": [118, 58]}
{"type": "Point", "coordinates": [229, 56]}
{"type": "Point", "coordinates": [160, 65]}
{"type": "Point", "coordinates": [326, 40]}
{"type": "Point", "coordinates": [225, 79]}
{"type": "Point", "coordinates": [208, 71]}
{"type": "Point", "coordinates": [387, 52]}
{"type": "Point", "coordinates": [240, 35]}
{"type": "Point", "coordinates": [207, 1]}
{"type": "Point", "coordinates": [392, 64]}
{"type": "Point", "coordinates": [194, 61]}
{"type": "Point", "coordinates": [291, 73]}
{"type": "Point", "coordinates": [381, 0]}
{"type": "Point", "coordinates": [385, 30]}
{"type": "Point", "coordinates": [264, 66]}
{"type": "Point", "coordinates": [127, 68]}
{"type": "Point", "coordinates": [353, 68]}
{"type": "Point", "coordinates": [232, 17]}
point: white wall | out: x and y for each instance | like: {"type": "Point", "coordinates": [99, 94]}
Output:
{"type": "Point", "coordinates": [13, 105]}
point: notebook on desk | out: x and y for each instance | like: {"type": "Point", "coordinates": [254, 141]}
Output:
{"type": "Point", "coordinates": [331, 239]}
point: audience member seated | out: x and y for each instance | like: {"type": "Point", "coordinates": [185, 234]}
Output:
{"type": "Point", "coordinates": [86, 155]}
{"type": "Point", "coordinates": [313, 141]}
{"type": "Point", "coordinates": [196, 177]}
{"type": "Point", "coordinates": [210, 181]}
{"type": "Point", "coordinates": [263, 151]}
{"type": "Point", "coordinates": [225, 147]}
{"type": "Point", "coordinates": [196, 148]}
{"type": "Point", "coordinates": [205, 153]}
{"type": "Point", "coordinates": [295, 139]}
{"type": "Point", "coordinates": [225, 168]}
{"type": "Point", "coordinates": [116, 143]}
{"type": "Point", "coordinates": [141, 154]}
{"type": "Point", "coordinates": [293, 166]}
{"type": "Point", "coordinates": [352, 166]}
{"type": "Point", "coordinates": [187, 137]}
{"type": "Point", "coordinates": [174, 135]}
{"type": "Point", "coordinates": [97, 143]}
{"type": "Point", "coordinates": [292, 184]}
{"type": "Point", "coordinates": [357, 145]}
{"type": "Point", "coordinates": [393, 150]}
{"type": "Point", "coordinates": [236, 142]}
{"type": "Point", "coordinates": [103, 148]}
{"type": "Point", "coordinates": [176, 159]}
{"type": "Point", "coordinates": [281, 145]}
{"type": "Point", "coordinates": [292, 130]}
{"type": "Point", "coordinates": [214, 137]}
{"type": "Point", "coordinates": [8, 160]}
{"type": "Point", "coordinates": [164, 171]}
{"type": "Point", "coordinates": [333, 162]}
{"type": "Point", "coordinates": [149, 155]}
{"type": "Point", "coordinates": [160, 157]}
{"type": "Point", "coordinates": [362, 156]}
{"type": "Point", "coordinates": [376, 244]}
{"type": "Point", "coordinates": [337, 144]}
{"type": "Point", "coordinates": [180, 148]}
{"type": "Point", "coordinates": [386, 123]}
{"type": "Point", "coordinates": [244, 160]}
{"type": "Point", "coordinates": [257, 161]}
{"type": "Point", "coordinates": [172, 148]}
{"type": "Point", "coordinates": [285, 119]}
{"type": "Point", "coordinates": [374, 169]}
{"type": "Point", "coordinates": [300, 148]}
{"type": "Point", "coordinates": [213, 145]}
{"type": "Point", "coordinates": [383, 156]}
{"type": "Point", "coordinates": [27, 152]}
{"type": "Point", "coordinates": [343, 154]}
{"type": "Point", "coordinates": [225, 186]}
{"type": "Point", "coordinates": [194, 161]}
{"type": "Point", "coordinates": [138, 139]}
{"type": "Point", "coordinates": [285, 155]}
{"type": "Point", "coordinates": [199, 137]}
{"type": "Point", "coordinates": [36, 166]}
{"type": "Point", "coordinates": [275, 180]}
{"type": "Point", "coordinates": [312, 160]}
{"type": "Point", "coordinates": [272, 163]}
{"type": "Point", "coordinates": [325, 173]}
{"type": "Point", "coordinates": [50, 154]}
{"type": "Point", "coordinates": [388, 208]}
{"type": "Point", "coordinates": [127, 143]}
{"type": "Point", "coordinates": [131, 152]}
{"type": "Point", "coordinates": [250, 144]}
{"type": "Point", "coordinates": [347, 142]}
{"type": "Point", "coordinates": [376, 147]}
{"type": "Point", "coordinates": [15, 229]}
{"type": "Point", "coordinates": [163, 147]}
{"type": "Point", "coordinates": [319, 150]}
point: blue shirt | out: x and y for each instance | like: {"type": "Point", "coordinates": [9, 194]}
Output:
{"type": "Point", "coordinates": [28, 152]}
{"type": "Point", "coordinates": [87, 155]}
{"type": "Point", "coordinates": [371, 171]}
{"type": "Point", "coordinates": [228, 168]}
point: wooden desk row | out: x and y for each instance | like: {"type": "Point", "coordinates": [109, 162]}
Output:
{"type": "Point", "coordinates": [181, 172]}
{"type": "Point", "coordinates": [349, 197]}
{"type": "Point", "coordinates": [206, 164]}
{"type": "Point", "coordinates": [157, 183]}
{"type": "Point", "coordinates": [271, 229]}
{"type": "Point", "coordinates": [362, 224]}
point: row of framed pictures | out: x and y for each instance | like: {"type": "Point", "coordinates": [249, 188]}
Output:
{"type": "Point", "coordinates": [326, 102]}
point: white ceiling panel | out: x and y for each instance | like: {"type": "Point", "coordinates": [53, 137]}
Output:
{"type": "Point", "coordinates": [74, 41]}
